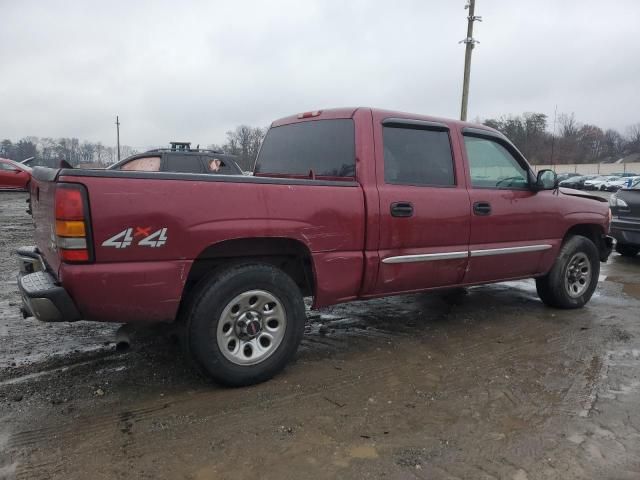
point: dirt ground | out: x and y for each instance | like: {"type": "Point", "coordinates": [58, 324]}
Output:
{"type": "Point", "coordinates": [482, 384]}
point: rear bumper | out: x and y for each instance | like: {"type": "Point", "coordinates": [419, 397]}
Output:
{"type": "Point", "coordinates": [626, 232]}
{"type": "Point", "coordinates": [42, 297]}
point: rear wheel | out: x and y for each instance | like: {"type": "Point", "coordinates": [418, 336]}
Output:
{"type": "Point", "coordinates": [574, 275]}
{"type": "Point", "coordinates": [244, 324]}
{"type": "Point", "coordinates": [627, 250]}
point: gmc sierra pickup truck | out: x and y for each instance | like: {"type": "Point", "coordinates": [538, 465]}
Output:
{"type": "Point", "coordinates": [344, 204]}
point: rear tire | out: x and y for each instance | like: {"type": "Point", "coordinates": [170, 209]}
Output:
{"type": "Point", "coordinates": [574, 276]}
{"type": "Point", "coordinates": [244, 324]}
{"type": "Point", "coordinates": [627, 250]}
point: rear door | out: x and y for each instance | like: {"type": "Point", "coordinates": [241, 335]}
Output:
{"type": "Point", "coordinates": [424, 206]}
{"type": "Point", "coordinates": [512, 226]}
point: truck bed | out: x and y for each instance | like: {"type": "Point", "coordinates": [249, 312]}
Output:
{"type": "Point", "coordinates": [195, 212]}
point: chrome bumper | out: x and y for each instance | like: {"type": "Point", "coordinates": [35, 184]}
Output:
{"type": "Point", "coordinates": [42, 297]}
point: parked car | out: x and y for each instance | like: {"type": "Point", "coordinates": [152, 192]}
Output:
{"type": "Point", "coordinates": [344, 204]}
{"type": "Point", "coordinates": [615, 185]}
{"type": "Point", "coordinates": [14, 175]}
{"type": "Point", "coordinates": [185, 160]}
{"type": "Point", "coordinates": [565, 176]}
{"type": "Point", "coordinates": [577, 182]}
{"type": "Point", "coordinates": [599, 183]}
{"type": "Point", "coordinates": [625, 222]}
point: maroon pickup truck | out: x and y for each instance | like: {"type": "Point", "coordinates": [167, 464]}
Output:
{"type": "Point", "coordinates": [344, 204]}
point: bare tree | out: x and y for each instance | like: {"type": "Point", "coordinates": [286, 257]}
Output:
{"type": "Point", "coordinates": [633, 138]}
{"type": "Point", "coordinates": [569, 126]}
{"type": "Point", "coordinates": [245, 142]}
{"type": "Point", "coordinates": [613, 143]}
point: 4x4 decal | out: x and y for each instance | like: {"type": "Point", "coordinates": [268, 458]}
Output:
{"type": "Point", "coordinates": [129, 236]}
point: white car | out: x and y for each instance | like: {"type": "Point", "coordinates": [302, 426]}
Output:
{"type": "Point", "coordinates": [622, 182]}
{"type": "Point", "coordinates": [598, 183]}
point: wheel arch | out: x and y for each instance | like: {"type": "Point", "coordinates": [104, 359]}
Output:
{"type": "Point", "coordinates": [593, 232]}
{"type": "Point", "coordinates": [290, 255]}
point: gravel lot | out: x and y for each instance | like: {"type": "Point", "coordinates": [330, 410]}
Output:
{"type": "Point", "coordinates": [485, 383]}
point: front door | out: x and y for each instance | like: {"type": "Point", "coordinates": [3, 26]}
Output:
{"type": "Point", "coordinates": [424, 206]}
{"type": "Point", "coordinates": [513, 227]}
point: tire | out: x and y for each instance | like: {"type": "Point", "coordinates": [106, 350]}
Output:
{"type": "Point", "coordinates": [574, 276]}
{"type": "Point", "coordinates": [265, 317]}
{"type": "Point", "coordinates": [627, 250]}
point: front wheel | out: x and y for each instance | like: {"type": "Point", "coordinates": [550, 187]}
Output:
{"type": "Point", "coordinates": [573, 277]}
{"type": "Point", "coordinates": [244, 324]}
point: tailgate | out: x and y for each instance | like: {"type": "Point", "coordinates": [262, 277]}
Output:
{"type": "Point", "coordinates": [43, 189]}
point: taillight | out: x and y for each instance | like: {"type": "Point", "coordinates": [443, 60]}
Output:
{"type": "Point", "coordinates": [72, 223]}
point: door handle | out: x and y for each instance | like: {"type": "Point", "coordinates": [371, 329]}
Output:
{"type": "Point", "coordinates": [482, 208]}
{"type": "Point", "coordinates": [401, 209]}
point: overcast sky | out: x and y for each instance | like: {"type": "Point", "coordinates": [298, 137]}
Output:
{"type": "Point", "coordinates": [193, 70]}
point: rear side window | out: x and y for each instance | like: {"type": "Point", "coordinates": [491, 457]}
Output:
{"type": "Point", "coordinates": [183, 163]}
{"type": "Point", "coordinates": [417, 157]}
{"type": "Point", "coordinates": [145, 164]}
{"type": "Point", "coordinates": [321, 148]}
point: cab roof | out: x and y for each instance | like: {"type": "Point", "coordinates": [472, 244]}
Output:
{"type": "Point", "coordinates": [349, 112]}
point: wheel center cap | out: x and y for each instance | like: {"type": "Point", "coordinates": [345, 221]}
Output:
{"type": "Point", "coordinates": [253, 327]}
{"type": "Point", "coordinates": [249, 326]}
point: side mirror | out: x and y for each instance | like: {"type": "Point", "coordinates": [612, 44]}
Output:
{"type": "Point", "coordinates": [17, 171]}
{"type": "Point", "coordinates": [546, 180]}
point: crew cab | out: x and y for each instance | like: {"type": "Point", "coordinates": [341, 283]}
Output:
{"type": "Point", "coordinates": [344, 204]}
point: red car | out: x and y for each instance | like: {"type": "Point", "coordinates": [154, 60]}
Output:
{"type": "Point", "coordinates": [14, 175]}
{"type": "Point", "coordinates": [344, 204]}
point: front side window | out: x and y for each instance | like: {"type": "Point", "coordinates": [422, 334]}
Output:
{"type": "Point", "coordinates": [324, 148]}
{"type": "Point", "coordinates": [146, 164]}
{"type": "Point", "coordinates": [220, 165]}
{"type": "Point", "coordinates": [492, 166]}
{"type": "Point", "coordinates": [417, 157]}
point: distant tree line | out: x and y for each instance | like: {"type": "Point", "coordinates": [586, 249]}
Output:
{"type": "Point", "coordinates": [568, 142]}
{"type": "Point", "coordinates": [50, 152]}
{"type": "Point", "coordinates": [244, 142]}
{"type": "Point", "coordinates": [573, 142]}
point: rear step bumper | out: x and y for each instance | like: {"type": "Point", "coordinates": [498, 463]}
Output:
{"type": "Point", "coordinates": [42, 297]}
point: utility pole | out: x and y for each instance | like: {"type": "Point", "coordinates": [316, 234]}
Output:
{"type": "Point", "coordinates": [118, 134]}
{"type": "Point", "coordinates": [469, 44]}
{"type": "Point", "coordinates": [553, 137]}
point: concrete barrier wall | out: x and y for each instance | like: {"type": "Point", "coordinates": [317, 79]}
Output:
{"type": "Point", "coordinates": [593, 168]}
